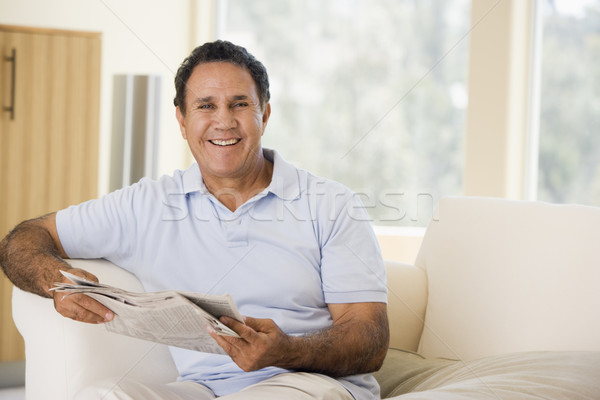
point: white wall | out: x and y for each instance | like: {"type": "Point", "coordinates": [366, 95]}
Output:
{"type": "Point", "coordinates": [138, 37]}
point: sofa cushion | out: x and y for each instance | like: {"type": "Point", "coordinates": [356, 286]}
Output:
{"type": "Point", "coordinates": [510, 276]}
{"type": "Point", "coordinates": [407, 299]}
{"type": "Point", "coordinates": [518, 376]}
{"type": "Point", "coordinates": [401, 366]}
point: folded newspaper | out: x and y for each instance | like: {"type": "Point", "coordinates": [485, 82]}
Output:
{"type": "Point", "coordinates": [174, 318]}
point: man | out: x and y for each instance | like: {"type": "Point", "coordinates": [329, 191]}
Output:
{"type": "Point", "coordinates": [295, 251]}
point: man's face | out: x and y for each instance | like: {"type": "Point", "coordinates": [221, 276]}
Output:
{"type": "Point", "coordinates": [224, 121]}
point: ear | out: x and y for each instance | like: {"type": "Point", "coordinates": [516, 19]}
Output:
{"type": "Point", "coordinates": [181, 119]}
{"type": "Point", "coordinates": [266, 116]}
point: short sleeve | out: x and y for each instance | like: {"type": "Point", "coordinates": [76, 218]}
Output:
{"type": "Point", "coordinates": [100, 228]}
{"type": "Point", "coordinates": [352, 267]}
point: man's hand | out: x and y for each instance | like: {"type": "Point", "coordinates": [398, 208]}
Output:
{"type": "Point", "coordinates": [261, 343]}
{"type": "Point", "coordinates": [79, 306]}
{"type": "Point", "coordinates": [356, 342]}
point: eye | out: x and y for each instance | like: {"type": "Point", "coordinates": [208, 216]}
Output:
{"type": "Point", "coordinates": [206, 107]}
{"type": "Point", "coordinates": [240, 104]}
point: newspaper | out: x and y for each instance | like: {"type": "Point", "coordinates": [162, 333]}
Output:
{"type": "Point", "coordinates": [170, 317]}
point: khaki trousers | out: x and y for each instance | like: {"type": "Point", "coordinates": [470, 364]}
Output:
{"type": "Point", "coordinates": [289, 386]}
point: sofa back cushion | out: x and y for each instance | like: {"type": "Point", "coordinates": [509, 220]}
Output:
{"type": "Point", "coordinates": [507, 276]}
{"type": "Point", "coordinates": [407, 299]}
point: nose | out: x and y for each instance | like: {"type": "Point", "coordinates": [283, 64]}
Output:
{"type": "Point", "coordinates": [224, 119]}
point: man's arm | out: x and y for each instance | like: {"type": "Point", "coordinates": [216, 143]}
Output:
{"type": "Point", "coordinates": [356, 343]}
{"type": "Point", "coordinates": [31, 256]}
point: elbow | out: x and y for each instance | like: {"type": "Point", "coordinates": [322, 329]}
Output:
{"type": "Point", "coordinates": [382, 346]}
{"type": "Point", "coordinates": [380, 340]}
{"type": "Point", "coordinates": [376, 361]}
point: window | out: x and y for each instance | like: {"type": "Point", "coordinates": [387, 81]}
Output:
{"type": "Point", "coordinates": [370, 93]}
{"type": "Point", "coordinates": [569, 103]}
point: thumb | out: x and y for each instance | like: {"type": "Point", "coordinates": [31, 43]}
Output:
{"type": "Point", "coordinates": [82, 273]}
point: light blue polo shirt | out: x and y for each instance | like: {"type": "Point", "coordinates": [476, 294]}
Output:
{"type": "Point", "coordinates": [300, 244]}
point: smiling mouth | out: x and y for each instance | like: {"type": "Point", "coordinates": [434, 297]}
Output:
{"type": "Point", "coordinates": [228, 142]}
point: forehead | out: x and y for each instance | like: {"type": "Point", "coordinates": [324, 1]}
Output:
{"type": "Point", "coordinates": [220, 79]}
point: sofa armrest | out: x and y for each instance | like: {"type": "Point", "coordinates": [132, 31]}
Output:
{"type": "Point", "coordinates": [63, 356]}
{"type": "Point", "coordinates": [407, 300]}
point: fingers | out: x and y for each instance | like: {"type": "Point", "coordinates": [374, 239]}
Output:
{"type": "Point", "coordinates": [225, 342]}
{"type": "Point", "coordinates": [228, 342]}
{"type": "Point", "coordinates": [261, 343]}
{"type": "Point", "coordinates": [245, 330]}
{"type": "Point", "coordinates": [81, 308]}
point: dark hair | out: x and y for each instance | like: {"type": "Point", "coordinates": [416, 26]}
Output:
{"type": "Point", "coordinates": [221, 51]}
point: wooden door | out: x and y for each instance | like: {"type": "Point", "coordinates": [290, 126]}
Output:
{"type": "Point", "coordinates": [48, 136]}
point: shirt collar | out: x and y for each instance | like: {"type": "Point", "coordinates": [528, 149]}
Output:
{"type": "Point", "coordinates": [285, 183]}
{"type": "Point", "coordinates": [192, 180]}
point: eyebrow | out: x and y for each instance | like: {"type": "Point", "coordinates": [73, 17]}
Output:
{"type": "Point", "coordinates": [208, 99]}
{"type": "Point", "coordinates": [199, 100]}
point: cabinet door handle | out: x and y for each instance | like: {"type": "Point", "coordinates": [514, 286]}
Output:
{"type": "Point", "coordinates": [13, 60]}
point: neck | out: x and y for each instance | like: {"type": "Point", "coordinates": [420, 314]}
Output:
{"type": "Point", "coordinates": [233, 192]}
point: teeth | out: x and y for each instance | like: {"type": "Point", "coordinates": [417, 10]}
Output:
{"type": "Point", "coordinates": [224, 142]}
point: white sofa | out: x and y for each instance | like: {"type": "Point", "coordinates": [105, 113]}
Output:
{"type": "Point", "coordinates": [503, 302]}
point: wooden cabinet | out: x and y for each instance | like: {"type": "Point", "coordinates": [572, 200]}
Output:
{"type": "Point", "coordinates": [50, 93]}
